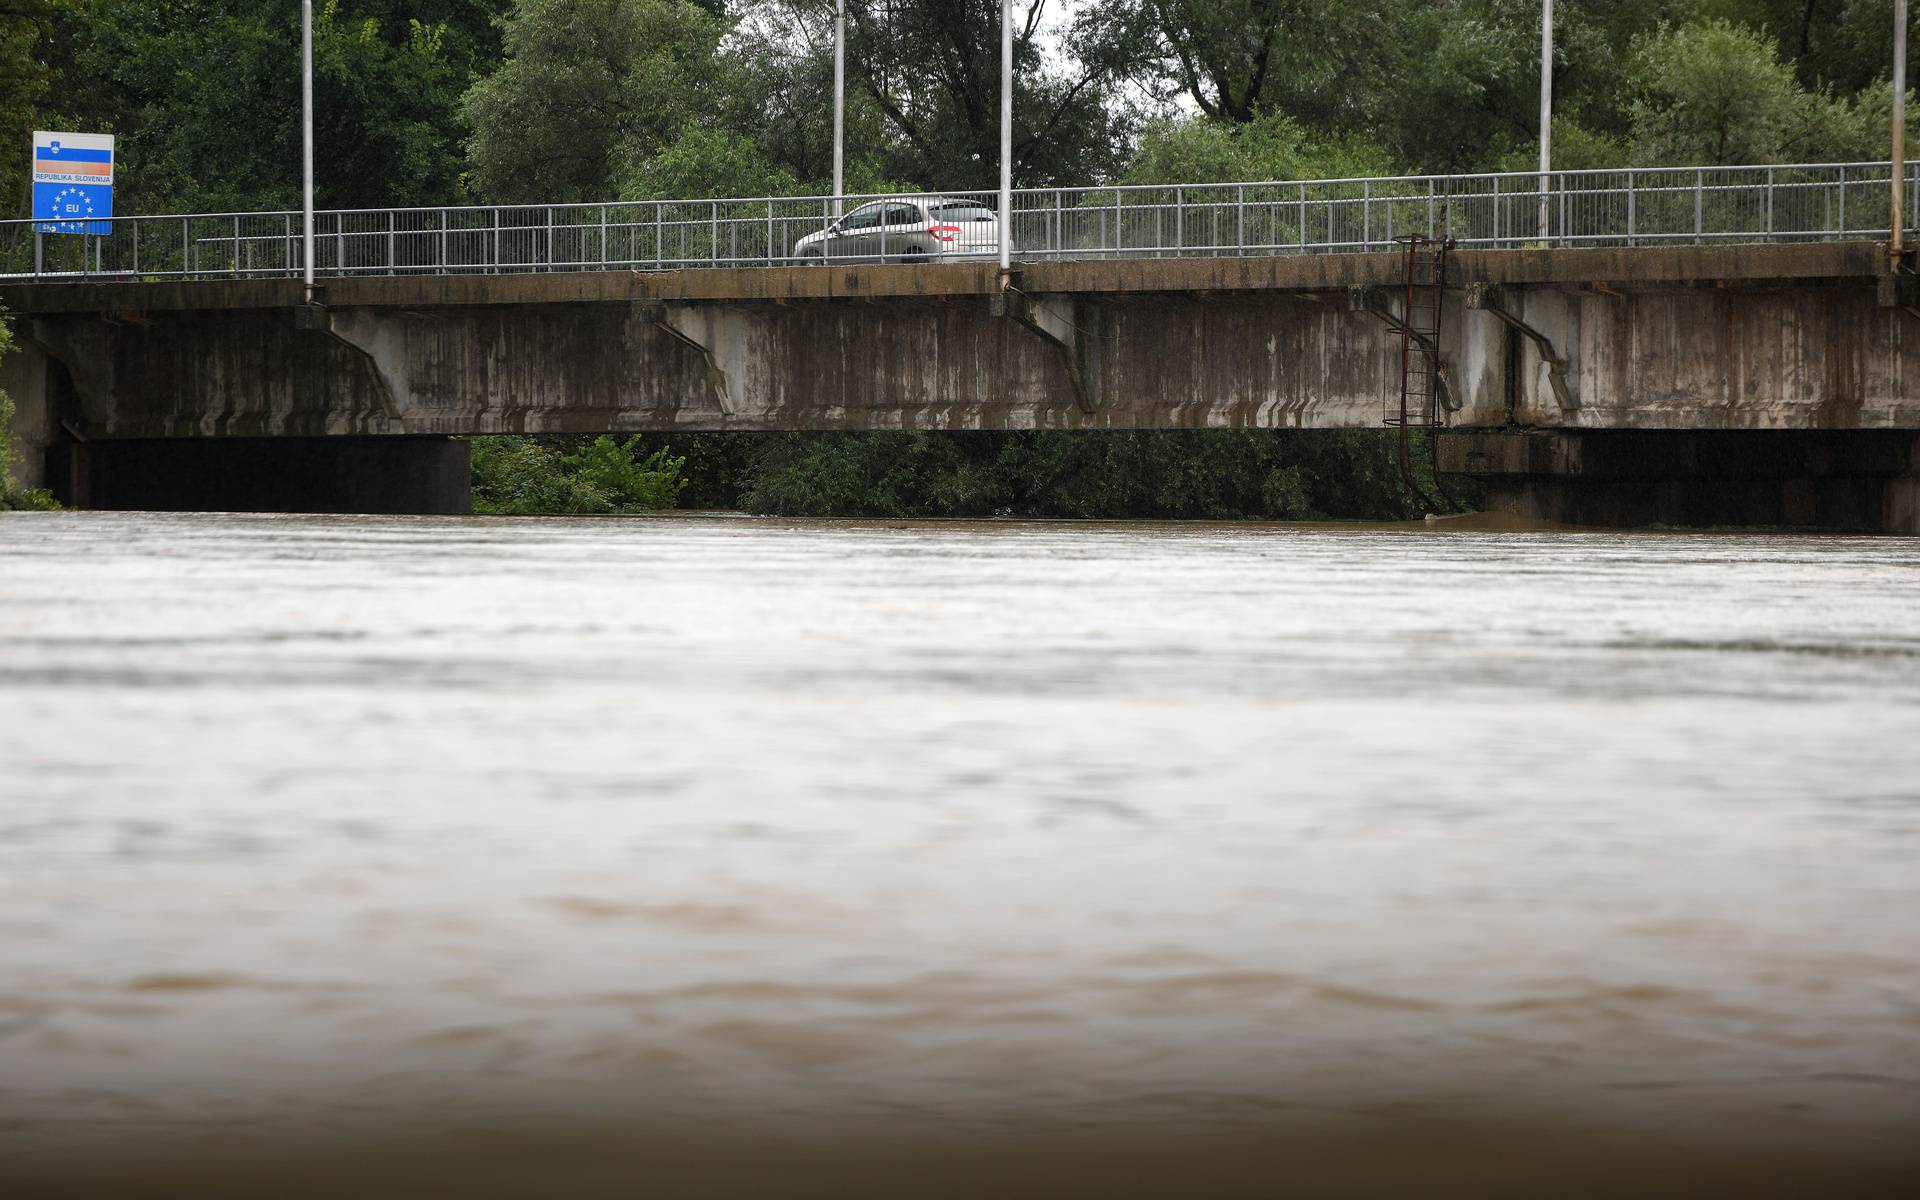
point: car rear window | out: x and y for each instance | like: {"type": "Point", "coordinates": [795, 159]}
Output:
{"type": "Point", "coordinates": [961, 212]}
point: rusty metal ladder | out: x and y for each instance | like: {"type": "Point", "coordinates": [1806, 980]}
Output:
{"type": "Point", "coordinates": [1420, 403]}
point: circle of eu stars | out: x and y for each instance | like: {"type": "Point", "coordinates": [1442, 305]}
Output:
{"type": "Point", "coordinates": [85, 197]}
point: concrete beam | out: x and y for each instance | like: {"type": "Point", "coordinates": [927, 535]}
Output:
{"type": "Point", "coordinates": [700, 328]}
{"type": "Point", "coordinates": [1815, 354]}
{"type": "Point", "coordinates": [83, 348]}
{"type": "Point", "coordinates": [1072, 326]}
{"type": "Point", "coordinates": [1491, 299]}
{"type": "Point", "coordinates": [1621, 269]}
{"type": "Point", "coordinates": [376, 339]}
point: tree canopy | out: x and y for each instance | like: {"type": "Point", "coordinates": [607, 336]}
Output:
{"type": "Point", "coordinates": [430, 101]}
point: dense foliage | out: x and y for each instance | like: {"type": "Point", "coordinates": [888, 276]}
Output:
{"type": "Point", "coordinates": [430, 101]}
{"type": "Point", "coordinates": [518, 475]}
{"type": "Point", "coordinates": [12, 495]}
{"type": "Point", "coordinates": [1177, 474]}
{"type": "Point", "coordinates": [490, 100]}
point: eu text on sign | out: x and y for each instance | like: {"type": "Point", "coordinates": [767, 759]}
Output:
{"type": "Point", "coordinates": [72, 182]}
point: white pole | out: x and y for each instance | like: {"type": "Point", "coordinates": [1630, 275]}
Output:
{"type": "Point", "coordinates": [1896, 242]}
{"type": "Point", "coordinates": [1006, 135]}
{"type": "Point", "coordinates": [306, 130]}
{"type": "Point", "coordinates": [1546, 113]}
{"type": "Point", "coordinates": [839, 105]}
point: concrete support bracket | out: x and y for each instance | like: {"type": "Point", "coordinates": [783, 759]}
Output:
{"type": "Point", "coordinates": [1373, 301]}
{"type": "Point", "coordinates": [1899, 288]}
{"type": "Point", "coordinates": [1072, 326]}
{"type": "Point", "coordinates": [693, 326]}
{"type": "Point", "coordinates": [1491, 299]}
{"type": "Point", "coordinates": [371, 336]}
{"type": "Point", "coordinates": [85, 350]}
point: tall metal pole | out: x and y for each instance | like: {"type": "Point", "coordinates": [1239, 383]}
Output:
{"type": "Point", "coordinates": [1546, 114]}
{"type": "Point", "coordinates": [839, 105]}
{"type": "Point", "coordinates": [1896, 240]}
{"type": "Point", "coordinates": [1006, 135]}
{"type": "Point", "coordinates": [306, 130]}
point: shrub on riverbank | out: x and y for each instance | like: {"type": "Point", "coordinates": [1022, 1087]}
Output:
{"type": "Point", "coordinates": [12, 495]}
{"type": "Point", "coordinates": [523, 476]}
{"type": "Point", "coordinates": [1209, 474]}
{"type": "Point", "coordinates": [1205, 474]}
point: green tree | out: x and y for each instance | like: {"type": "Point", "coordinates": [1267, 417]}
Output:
{"type": "Point", "coordinates": [522, 476]}
{"type": "Point", "coordinates": [1274, 146]}
{"type": "Point", "coordinates": [1237, 60]}
{"type": "Point", "coordinates": [932, 69]}
{"type": "Point", "coordinates": [205, 100]}
{"type": "Point", "coordinates": [707, 163]}
{"type": "Point", "coordinates": [588, 92]}
{"type": "Point", "coordinates": [1715, 92]}
{"type": "Point", "coordinates": [779, 92]}
{"type": "Point", "coordinates": [25, 27]}
{"type": "Point", "coordinates": [1168, 474]}
{"type": "Point", "coordinates": [1846, 45]}
{"type": "Point", "coordinates": [12, 495]}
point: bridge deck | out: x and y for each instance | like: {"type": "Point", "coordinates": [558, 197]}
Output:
{"type": "Point", "coordinates": [1612, 267]}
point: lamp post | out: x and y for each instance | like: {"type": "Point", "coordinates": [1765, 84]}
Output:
{"type": "Point", "coordinates": [306, 142]}
{"type": "Point", "coordinates": [839, 105]}
{"type": "Point", "coordinates": [1546, 113]}
{"type": "Point", "coordinates": [1006, 136]}
{"type": "Point", "coordinates": [1896, 239]}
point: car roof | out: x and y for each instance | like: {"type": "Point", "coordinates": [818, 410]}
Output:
{"type": "Point", "coordinates": [928, 201]}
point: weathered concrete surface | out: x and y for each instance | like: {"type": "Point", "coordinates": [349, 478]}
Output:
{"type": "Point", "coordinates": [1722, 337]}
{"type": "Point", "coordinates": [1754, 384]}
{"type": "Point", "coordinates": [1164, 362]}
{"type": "Point", "coordinates": [1866, 480]}
{"type": "Point", "coordinates": [1822, 356]}
{"type": "Point", "coordinates": [1614, 268]}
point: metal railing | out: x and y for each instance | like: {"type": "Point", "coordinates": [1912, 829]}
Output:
{"type": "Point", "coordinates": [1627, 207]}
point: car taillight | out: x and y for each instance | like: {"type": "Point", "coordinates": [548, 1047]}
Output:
{"type": "Point", "coordinates": [945, 233]}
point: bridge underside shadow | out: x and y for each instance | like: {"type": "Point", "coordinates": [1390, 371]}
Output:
{"type": "Point", "coordinates": [1848, 480]}
{"type": "Point", "coordinates": [404, 475]}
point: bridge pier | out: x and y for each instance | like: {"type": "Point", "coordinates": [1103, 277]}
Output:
{"type": "Point", "coordinates": [415, 475]}
{"type": "Point", "coordinates": [1850, 480]}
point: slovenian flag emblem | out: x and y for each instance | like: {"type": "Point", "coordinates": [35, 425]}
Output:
{"type": "Point", "coordinates": [56, 159]}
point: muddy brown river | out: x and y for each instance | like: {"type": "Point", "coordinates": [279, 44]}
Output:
{"type": "Point", "coordinates": [708, 842]}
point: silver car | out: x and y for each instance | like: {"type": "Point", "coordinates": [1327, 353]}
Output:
{"type": "Point", "coordinates": [906, 229]}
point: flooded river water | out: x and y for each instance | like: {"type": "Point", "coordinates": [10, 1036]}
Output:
{"type": "Point", "coordinates": [326, 828]}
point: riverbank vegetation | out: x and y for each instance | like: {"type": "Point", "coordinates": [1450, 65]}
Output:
{"type": "Point", "coordinates": [425, 102]}
{"type": "Point", "coordinates": [13, 497]}
{"type": "Point", "coordinates": [1216, 474]}
{"type": "Point", "coordinates": [522, 475]}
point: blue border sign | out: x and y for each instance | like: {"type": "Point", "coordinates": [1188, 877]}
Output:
{"type": "Point", "coordinates": [72, 182]}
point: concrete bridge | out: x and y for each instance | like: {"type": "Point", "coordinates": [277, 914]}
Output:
{"type": "Point", "coordinates": [1772, 382]}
